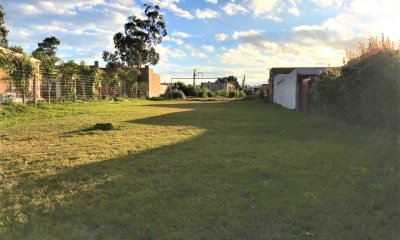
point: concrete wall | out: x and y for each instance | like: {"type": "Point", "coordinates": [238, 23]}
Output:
{"type": "Point", "coordinates": [285, 89]}
{"type": "Point", "coordinates": [163, 88]}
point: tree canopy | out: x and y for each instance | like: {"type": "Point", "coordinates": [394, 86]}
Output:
{"type": "Point", "coordinates": [135, 47]}
{"type": "Point", "coordinates": [48, 47]}
{"type": "Point", "coordinates": [3, 29]}
{"type": "Point", "coordinates": [231, 79]}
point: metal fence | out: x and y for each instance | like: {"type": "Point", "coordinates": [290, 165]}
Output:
{"type": "Point", "coordinates": [57, 87]}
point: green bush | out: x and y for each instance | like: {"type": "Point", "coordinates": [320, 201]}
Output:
{"type": "Point", "coordinates": [118, 99]}
{"type": "Point", "coordinates": [156, 98]}
{"type": "Point", "coordinates": [210, 94]}
{"type": "Point", "coordinates": [365, 91]}
{"type": "Point", "coordinates": [177, 94]}
{"type": "Point", "coordinates": [183, 87]}
{"type": "Point", "coordinates": [103, 127]}
{"type": "Point", "coordinates": [241, 94]}
{"type": "Point", "coordinates": [203, 94]}
{"type": "Point", "coordinates": [232, 94]}
{"type": "Point", "coordinates": [248, 92]}
{"type": "Point", "coordinates": [221, 93]}
{"type": "Point", "coordinates": [192, 91]}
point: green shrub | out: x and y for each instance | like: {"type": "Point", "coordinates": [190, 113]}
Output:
{"type": "Point", "coordinates": [192, 91]}
{"type": "Point", "coordinates": [221, 93]}
{"type": "Point", "coordinates": [241, 94]}
{"type": "Point", "coordinates": [183, 87]}
{"type": "Point", "coordinates": [210, 94]}
{"type": "Point", "coordinates": [232, 94]}
{"type": "Point", "coordinates": [177, 94]}
{"type": "Point", "coordinates": [361, 92]}
{"type": "Point", "coordinates": [248, 92]}
{"type": "Point", "coordinates": [118, 99]}
{"type": "Point", "coordinates": [103, 127]}
{"type": "Point", "coordinates": [12, 107]}
{"type": "Point", "coordinates": [157, 98]}
{"type": "Point", "coordinates": [203, 94]}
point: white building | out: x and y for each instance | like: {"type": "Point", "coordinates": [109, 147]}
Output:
{"type": "Point", "coordinates": [290, 85]}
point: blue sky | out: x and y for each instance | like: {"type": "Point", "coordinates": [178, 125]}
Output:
{"type": "Point", "coordinates": [217, 37]}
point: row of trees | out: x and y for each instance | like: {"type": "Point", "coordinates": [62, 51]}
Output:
{"type": "Point", "coordinates": [134, 48]}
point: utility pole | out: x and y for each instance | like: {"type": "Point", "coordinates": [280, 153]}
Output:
{"type": "Point", "coordinates": [170, 90]}
{"type": "Point", "coordinates": [243, 81]}
{"type": "Point", "coordinates": [194, 78]}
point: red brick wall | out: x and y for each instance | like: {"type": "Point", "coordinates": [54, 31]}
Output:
{"type": "Point", "coordinates": [148, 76]}
{"type": "Point", "coordinates": [4, 84]}
{"type": "Point", "coordinates": [154, 84]}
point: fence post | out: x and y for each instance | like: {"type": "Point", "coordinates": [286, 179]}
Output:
{"type": "Point", "coordinates": [34, 88]}
{"type": "Point", "coordinates": [75, 89]}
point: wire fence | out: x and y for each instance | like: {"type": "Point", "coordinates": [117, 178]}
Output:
{"type": "Point", "coordinates": [57, 87]}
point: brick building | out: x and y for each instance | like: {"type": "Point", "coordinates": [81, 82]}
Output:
{"type": "Point", "coordinates": [146, 76]}
{"type": "Point", "coordinates": [7, 90]}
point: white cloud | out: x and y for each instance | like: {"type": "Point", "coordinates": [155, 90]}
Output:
{"type": "Point", "coordinates": [247, 34]}
{"type": "Point", "coordinates": [262, 7]}
{"type": "Point", "coordinates": [199, 55]}
{"type": "Point", "coordinates": [177, 41]}
{"type": "Point", "coordinates": [206, 13]}
{"type": "Point", "coordinates": [171, 6]}
{"type": "Point", "coordinates": [327, 3]}
{"type": "Point", "coordinates": [212, 1]}
{"type": "Point", "coordinates": [221, 37]}
{"type": "Point", "coordinates": [181, 34]}
{"type": "Point", "coordinates": [28, 9]}
{"type": "Point", "coordinates": [208, 48]}
{"type": "Point", "coordinates": [232, 8]}
{"type": "Point", "coordinates": [294, 11]}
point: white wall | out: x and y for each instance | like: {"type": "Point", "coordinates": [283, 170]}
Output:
{"type": "Point", "coordinates": [285, 89]}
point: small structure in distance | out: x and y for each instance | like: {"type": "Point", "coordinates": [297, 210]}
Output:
{"type": "Point", "coordinates": [290, 85]}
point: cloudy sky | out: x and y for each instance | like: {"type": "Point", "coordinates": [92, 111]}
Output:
{"type": "Point", "coordinates": [217, 37]}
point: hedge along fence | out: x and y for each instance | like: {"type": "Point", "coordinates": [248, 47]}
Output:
{"type": "Point", "coordinates": [365, 91]}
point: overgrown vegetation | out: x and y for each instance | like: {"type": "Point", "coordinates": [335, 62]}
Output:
{"type": "Point", "coordinates": [67, 80]}
{"type": "Point", "coordinates": [365, 90]}
{"type": "Point", "coordinates": [20, 69]}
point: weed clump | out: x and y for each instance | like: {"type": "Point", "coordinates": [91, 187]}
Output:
{"type": "Point", "coordinates": [103, 127]}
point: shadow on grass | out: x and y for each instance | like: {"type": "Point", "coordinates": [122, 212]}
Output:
{"type": "Point", "coordinates": [216, 185]}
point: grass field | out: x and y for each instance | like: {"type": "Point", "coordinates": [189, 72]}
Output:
{"type": "Point", "coordinates": [193, 170]}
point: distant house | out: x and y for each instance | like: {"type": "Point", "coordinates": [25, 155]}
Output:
{"type": "Point", "coordinates": [218, 86]}
{"type": "Point", "coordinates": [147, 76]}
{"type": "Point", "coordinates": [7, 90]}
{"type": "Point", "coordinates": [290, 85]}
{"type": "Point", "coordinates": [266, 88]}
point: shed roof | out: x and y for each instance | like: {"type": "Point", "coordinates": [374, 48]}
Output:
{"type": "Point", "coordinates": [300, 70]}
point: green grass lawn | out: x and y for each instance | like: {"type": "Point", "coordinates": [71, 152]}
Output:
{"type": "Point", "coordinates": [193, 170]}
